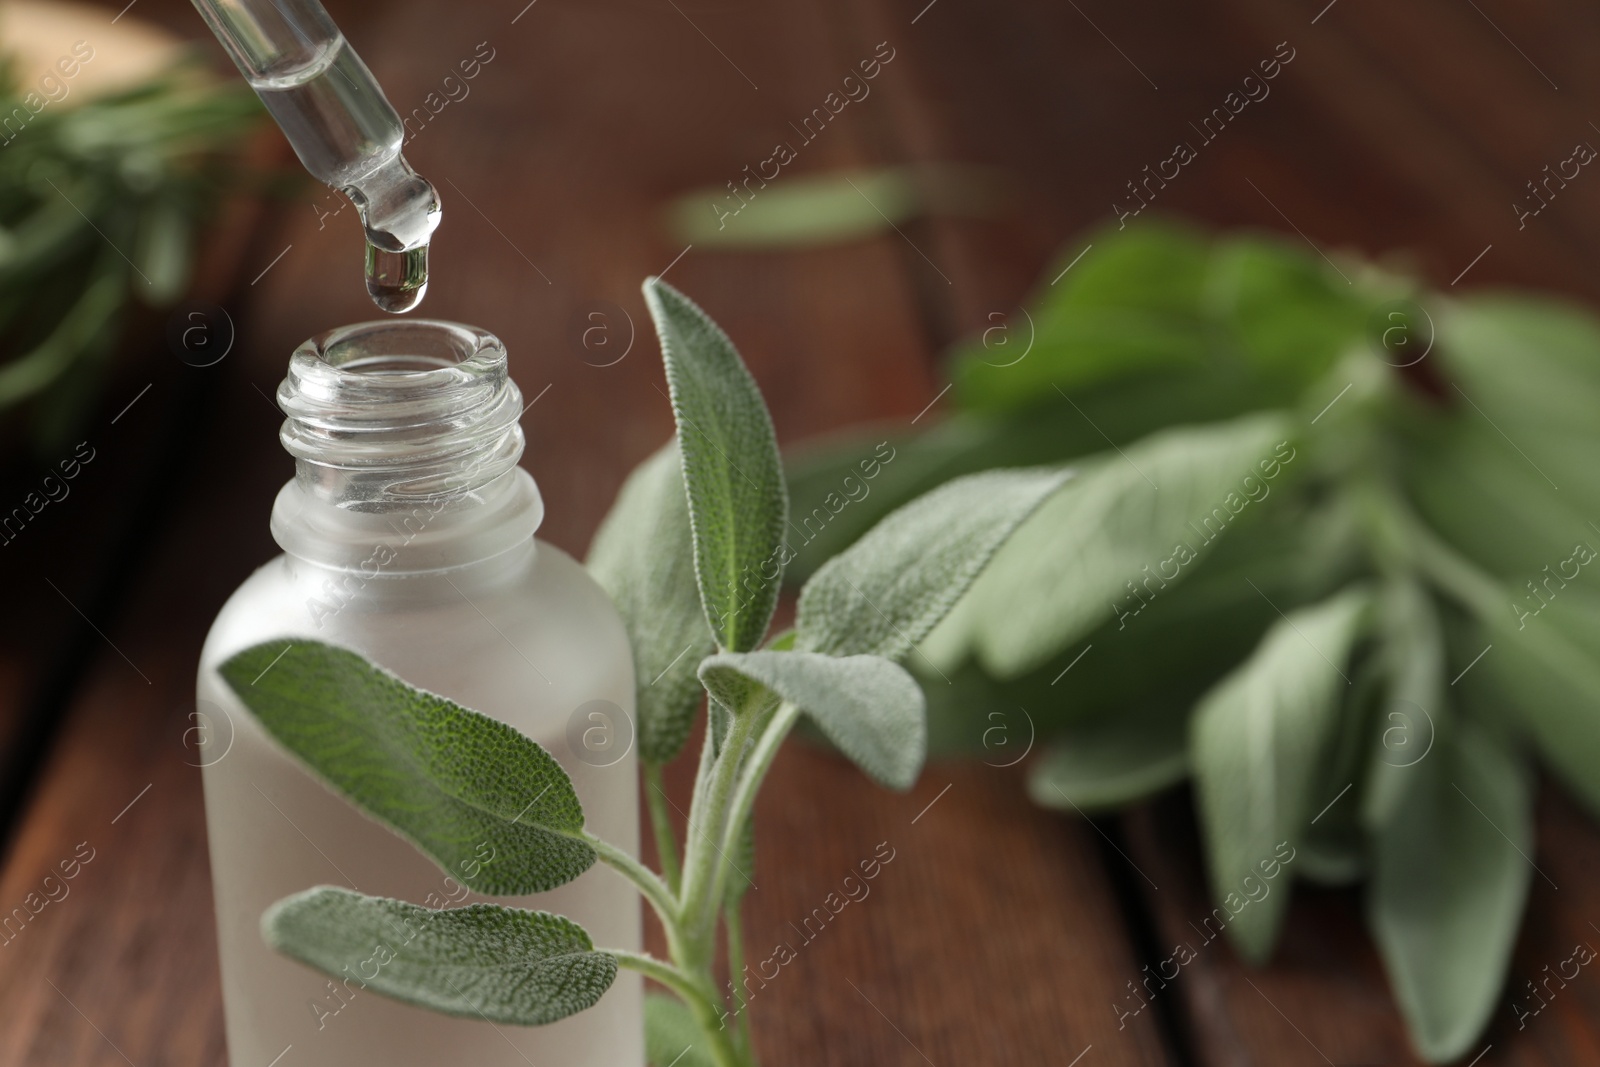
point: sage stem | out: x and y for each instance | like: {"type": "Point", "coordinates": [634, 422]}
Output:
{"type": "Point", "coordinates": [661, 823]}
{"type": "Point", "coordinates": [704, 871]}
{"type": "Point", "coordinates": [646, 880]}
{"type": "Point", "coordinates": [703, 1005]}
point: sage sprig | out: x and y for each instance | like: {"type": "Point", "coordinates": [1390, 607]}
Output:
{"type": "Point", "coordinates": [693, 555]}
{"type": "Point", "coordinates": [1329, 557]}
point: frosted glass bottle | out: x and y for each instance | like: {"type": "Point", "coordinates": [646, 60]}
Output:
{"type": "Point", "coordinates": [408, 535]}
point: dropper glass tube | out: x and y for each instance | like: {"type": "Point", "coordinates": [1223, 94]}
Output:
{"type": "Point", "coordinates": [342, 127]}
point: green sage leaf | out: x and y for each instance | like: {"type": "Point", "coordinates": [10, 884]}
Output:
{"type": "Point", "coordinates": [829, 207]}
{"type": "Point", "coordinates": [1334, 849]}
{"type": "Point", "coordinates": [1132, 524]}
{"type": "Point", "coordinates": [888, 590]}
{"type": "Point", "coordinates": [867, 706]}
{"type": "Point", "coordinates": [1522, 383]}
{"type": "Point", "coordinates": [738, 507]}
{"type": "Point", "coordinates": [1412, 708]}
{"type": "Point", "coordinates": [1258, 740]}
{"type": "Point", "coordinates": [450, 780]}
{"type": "Point", "coordinates": [843, 485]}
{"type": "Point", "coordinates": [807, 209]}
{"type": "Point", "coordinates": [1548, 668]}
{"type": "Point", "coordinates": [1449, 885]}
{"type": "Point", "coordinates": [1112, 760]}
{"type": "Point", "coordinates": [483, 961]}
{"type": "Point", "coordinates": [1460, 469]}
{"type": "Point", "coordinates": [672, 1036]}
{"type": "Point", "coordinates": [1291, 314]}
{"type": "Point", "coordinates": [1528, 360]}
{"type": "Point", "coordinates": [643, 555]}
{"type": "Point", "coordinates": [163, 251]}
{"type": "Point", "coordinates": [1197, 631]}
{"type": "Point", "coordinates": [1131, 303]}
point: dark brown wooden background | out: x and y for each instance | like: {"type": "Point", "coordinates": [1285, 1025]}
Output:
{"type": "Point", "coordinates": [999, 934]}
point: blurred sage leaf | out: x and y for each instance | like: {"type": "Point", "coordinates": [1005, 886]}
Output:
{"type": "Point", "coordinates": [1220, 326]}
{"type": "Point", "coordinates": [672, 1036]}
{"type": "Point", "coordinates": [1412, 708]}
{"type": "Point", "coordinates": [1257, 741]}
{"type": "Point", "coordinates": [1450, 881]}
{"type": "Point", "coordinates": [485, 803]}
{"type": "Point", "coordinates": [843, 485]}
{"type": "Point", "coordinates": [804, 210]}
{"type": "Point", "coordinates": [1532, 359]}
{"type": "Point", "coordinates": [1549, 670]}
{"type": "Point", "coordinates": [869, 707]}
{"type": "Point", "coordinates": [738, 506]}
{"type": "Point", "coordinates": [1523, 383]}
{"type": "Point", "coordinates": [483, 961]}
{"type": "Point", "coordinates": [1132, 524]}
{"type": "Point", "coordinates": [1198, 630]}
{"type": "Point", "coordinates": [75, 337]}
{"type": "Point", "coordinates": [163, 252]}
{"type": "Point", "coordinates": [1112, 760]}
{"type": "Point", "coordinates": [889, 589]}
{"type": "Point", "coordinates": [1290, 314]}
{"type": "Point", "coordinates": [1131, 303]}
{"type": "Point", "coordinates": [137, 172]}
{"type": "Point", "coordinates": [1459, 469]}
{"type": "Point", "coordinates": [1334, 850]}
{"type": "Point", "coordinates": [643, 555]}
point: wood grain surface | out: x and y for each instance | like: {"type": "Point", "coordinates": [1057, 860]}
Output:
{"type": "Point", "coordinates": [999, 933]}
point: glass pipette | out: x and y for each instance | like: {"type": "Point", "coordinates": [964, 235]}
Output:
{"type": "Point", "coordinates": [341, 126]}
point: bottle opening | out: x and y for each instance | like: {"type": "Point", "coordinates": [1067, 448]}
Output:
{"type": "Point", "coordinates": [388, 413]}
{"type": "Point", "coordinates": [406, 345]}
{"type": "Point", "coordinates": [393, 364]}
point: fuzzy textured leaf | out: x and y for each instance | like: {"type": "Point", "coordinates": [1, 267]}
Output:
{"type": "Point", "coordinates": [643, 555]}
{"type": "Point", "coordinates": [1143, 515]}
{"type": "Point", "coordinates": [1449, 885]}
{"type": "Point", "coordinates": [446, 778]}
{"type": "Point", "coordinates": [483, 961]}
{"type": "Point", "coordinates": [738, 506]}
{"type": "Point", "coordinates": [1258, 740]}
{"type": "Point", "coordinates": [869, 707]}
{"type": "Point", "coordinates": [887, 591]}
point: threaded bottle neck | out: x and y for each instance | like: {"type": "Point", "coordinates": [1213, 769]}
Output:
{"type": "Point", "coordinates": [405, 437]}
{"type": "Point", "coordinates": [387, 414]}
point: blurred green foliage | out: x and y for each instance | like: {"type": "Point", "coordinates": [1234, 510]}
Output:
{"type": "Point", "coordinates": [1327, 556]}
{"type": "Point", "coordinates": [101, 202]}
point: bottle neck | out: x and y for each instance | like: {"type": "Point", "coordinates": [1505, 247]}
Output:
{"type": "Point", "coordinates": [406, 439]}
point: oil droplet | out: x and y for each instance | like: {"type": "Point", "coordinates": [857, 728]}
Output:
{"type": "Point", "coordinates": [397, 281]}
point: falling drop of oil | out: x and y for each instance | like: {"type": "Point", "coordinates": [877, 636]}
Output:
{"type": "Point", "coordinates": [397, 281]}
{"type": "Point", "coordinates": [399, 212]}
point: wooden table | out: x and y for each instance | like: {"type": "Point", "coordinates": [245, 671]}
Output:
{"type": "Point", "coordinates": [1000, 933]}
